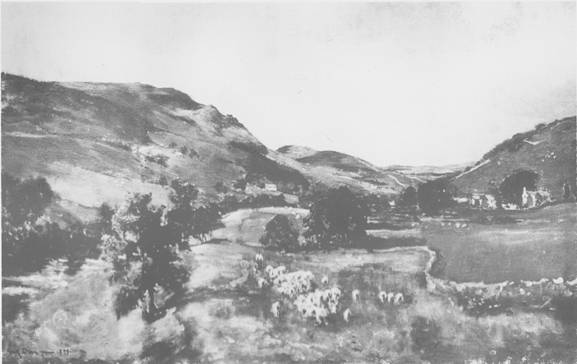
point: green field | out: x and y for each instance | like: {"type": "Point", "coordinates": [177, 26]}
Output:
{"type": "Point", "coordinates": [543, 244]}
{"type": "Point", "coordinates": [226, 318]}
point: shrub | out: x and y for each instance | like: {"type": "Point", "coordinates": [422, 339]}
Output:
{"type": "Point", "coordinates": [280, 234]}
{"type": "Point", "coordinates": [434, 196]}
{"type": "Point", "coordinates": [336, 219]}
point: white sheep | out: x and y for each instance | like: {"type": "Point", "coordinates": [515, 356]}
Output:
{"type": "Point", "coordinates": [347, 315]}
{"type": "Point", "coordinates": [259, 258]}
{"type": "Point", "coordinates": [275, 309]}
{"type": "Point", "coordinates": [399, 298]}
{"type": "Point", "coordinates": [261, 282]}
{"type": "Point", "coordinates": [325, 280]}
{"type": "Point", "coordinates": [383, 296]}
{"type": "Point", "coordinates": [356, 295]}
{"type": "Point", "coordinates": [390, 297]}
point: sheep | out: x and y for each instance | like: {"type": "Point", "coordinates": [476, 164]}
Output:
{"type": "Point", "coordinates": [275, 309]}
{"type": "Point", "coordinates": [325, 280]}
{"type": "Point", "coordinates": [356, 295]}
{"type": "Point", "coordinates": [390, 297]}
{"type": "Point", "coordinates": [399, 298]}
{"type": "Point", "coordinates": [383, 296]}
{"type": "Point", "coordinates": [261, 282]}
{"type": "Point", "coordinates": [319, 304]}
{"type": "Point", "coordinates": [294, 283]}
{"type": "Point", "coordinates": [347, 315]}
{"type": "Point", "coordinates": [259, 259]}
{"type": "Point", "coordinates": [559, 280]}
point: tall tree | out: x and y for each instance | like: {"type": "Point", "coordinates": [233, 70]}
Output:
{"type": "Point", "coordinates": [144, 253]}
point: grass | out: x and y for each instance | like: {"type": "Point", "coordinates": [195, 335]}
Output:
{"type": "Point", "coordinates": [543, 244]}
{"type": "Point", "coordinates": [226, 318]}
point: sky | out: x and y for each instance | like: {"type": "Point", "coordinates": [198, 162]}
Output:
{"type": "Point", "coordinates": [393, 83]}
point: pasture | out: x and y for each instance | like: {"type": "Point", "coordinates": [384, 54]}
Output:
{"type": "Point", "coordinates": [542, 244]}
{"type": "Point", "coordinates": [226, 317]}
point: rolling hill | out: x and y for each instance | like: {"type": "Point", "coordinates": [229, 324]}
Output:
{"type": "Point", "coordinates": [97, 142]}
{"type": "Point", "coordinates": [390, 179]}
{"type": "Point", "coordinates": [548, 150]}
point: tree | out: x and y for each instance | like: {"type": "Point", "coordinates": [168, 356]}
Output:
{"type": "Point", "coordinates": [512, 186]}
{"type": "Point", "coordinates": [206, 219]}
{"type": "Point", "coordinates": [181, 216]}
{"type": "Point", "coordinates": [144, 253]}
{"type": "Point", "coordinates": [220, 187]}
{"type": "Point", "coordinates": [25, 201]}
{"type": "Point", "coordinates": [336, 219]}
{"type": "Point", "coordinates": [280, 234]}
{"type": "Point", "coordinates": [434, 196]}
{"type": "Point", "coordinates": [409, 196]}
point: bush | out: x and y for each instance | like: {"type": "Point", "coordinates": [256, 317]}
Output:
{"type": "Point", "coordinates": [336, 219]}
{"type": "Point", "coordinates": [434, 196]}
{"type": "Point", "coordinates": [280, 234]}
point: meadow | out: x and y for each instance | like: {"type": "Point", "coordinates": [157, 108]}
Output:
{"type": "Point", "coordinates": [226, 317]}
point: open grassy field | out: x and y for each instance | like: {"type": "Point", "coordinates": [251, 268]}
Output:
{"type": "Point", "coordinates": [542, 244]}
{"type": "Point", "coordinates": [226, 318]}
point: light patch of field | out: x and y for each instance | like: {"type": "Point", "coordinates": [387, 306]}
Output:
{"type": "Point", "coordinates": [91, 189]}
{"type": "Point", "coordinates": [247, 225]}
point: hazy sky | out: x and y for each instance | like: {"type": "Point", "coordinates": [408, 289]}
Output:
{"type": "Point", "coordinates": [394, 83]}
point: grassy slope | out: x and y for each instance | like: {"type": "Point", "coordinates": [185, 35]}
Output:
{"type": "Point", "coordinates": [553, 159]}
{"type": "Point", "coordinates": [91, 140]}
{"type": "Point", "coordinates": [354, 172]}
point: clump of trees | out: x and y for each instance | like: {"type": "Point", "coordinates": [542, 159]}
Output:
{"type": "Point", "coordinates": [281, 234]}
{"type": "Point", "coordinates": [408, 197]}
{"type": "Point", "coordinates": [434, 196]}
{"type": "Point", "coordinates": [29, 239]}
{"type": "Point", "coordinates": [511, 189]}
{"type": "Point", "coordinates": [336, 219]}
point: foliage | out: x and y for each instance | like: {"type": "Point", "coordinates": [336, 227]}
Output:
{"type": "Point", "coordinates": [434, 196]}
{"type": "Point", "coordinates": [144, 252]}
{"type": "Point", "coordinates": [280, 234]}
{"type": "Point", "coordinates": [158, 159]}
{"type": "Point", "coordinates": [30, 240]}
{"type": "Point", "coordinates": [220, 187]}
{"type": "Point", "coordinates": [512, 187]}
{"type": "Point", "coordinates": [24, 201]}
{"type": "Point", "coordinates": [409, 197]}
{"type": "Point", "coordinates": [183, 197]}
{"type": "Point", "coordinates": [206, 219]}
{"type": "Point", "coordinates": [336, 219]}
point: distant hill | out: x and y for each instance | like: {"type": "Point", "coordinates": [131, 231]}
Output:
{"type": "Point", "coordinates": [357, 170]}
{"type": "Point", "coordinates": [548, 150]}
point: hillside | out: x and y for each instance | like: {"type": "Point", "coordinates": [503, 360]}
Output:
{"type": "Point", "coordinates": [389, 180]}
{"type": "Point", "coordinates": [548, 150]}
{"type": "Point", "coordinates": [95, 143]}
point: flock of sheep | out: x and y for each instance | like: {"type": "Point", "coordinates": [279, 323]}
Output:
{"type": "Point", "coordinates": [312, 302]}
